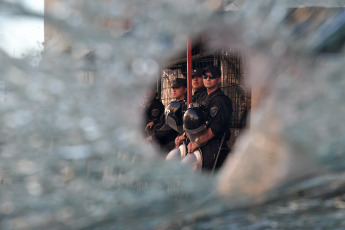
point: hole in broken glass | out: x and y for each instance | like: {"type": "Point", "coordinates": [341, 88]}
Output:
{"type": "Point", "coordinates": [233, 83]}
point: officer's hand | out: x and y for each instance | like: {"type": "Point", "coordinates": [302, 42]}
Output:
{"type": "Point", "coordinates": [178, 140]}
{"type": "Point", "coordinates": [192, 147]}
{"type": "Point", "coordinates": [149, 126]}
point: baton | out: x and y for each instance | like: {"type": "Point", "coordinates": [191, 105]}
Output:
{"type": "Point", "coordinates": [219, 149]}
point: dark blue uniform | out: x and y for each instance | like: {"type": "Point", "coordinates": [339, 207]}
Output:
{"type": "Point", "coordinates": [218, 109]}
{"type": "Point", "coordinates": [164, 134]}
{"type": "Point", "coordinates": [153, 111]}
{"type": "Point", "coordinates": [199, 95]}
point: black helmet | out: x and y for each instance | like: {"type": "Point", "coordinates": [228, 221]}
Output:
{"type": "Point", "coordinates": [194, 122]}
{"type": "Point", "coordinates": [173, 116]}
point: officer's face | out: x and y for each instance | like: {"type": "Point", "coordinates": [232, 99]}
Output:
{"type": "Point", "coordinates": [178, 93]}
{"type": "Point", "coordinates": [211, 83]}
{"type": "Point", "coordinates": [197, 82]}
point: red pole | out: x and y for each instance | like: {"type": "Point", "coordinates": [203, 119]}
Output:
{"type": "Point", "coordinates": [189, 71]}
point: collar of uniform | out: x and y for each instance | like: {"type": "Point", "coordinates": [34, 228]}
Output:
{"type": "Point", "coordinates": [218, 91]}
{"type": "Point", "coordinates": [200, 90]}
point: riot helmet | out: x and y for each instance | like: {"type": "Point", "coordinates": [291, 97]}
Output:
{"type": "Point", "coordinates": [173, 116]}
{"type": "Point", "coordinates": [194, 122]}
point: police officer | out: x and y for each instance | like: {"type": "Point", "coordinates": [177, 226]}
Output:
{"type": "Point", "coordinates": [153, 109]}
{"type": "Point", "coordinates": [218, 109]}
{"type": "Point", "coordinates": [163, 133]}
{"type": "Point", "coordinates": [199, 95]}
{"type": "Point", "coordinates": [200, 91]}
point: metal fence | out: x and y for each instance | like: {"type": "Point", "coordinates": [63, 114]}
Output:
{"type": "Point", "coordinates": [168, 75]}
{"type": "Point", "coordinates": [234, 85]}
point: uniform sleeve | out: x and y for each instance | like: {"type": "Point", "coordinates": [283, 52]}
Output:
{"type": "Point", "coordinates": [160, 122]}
{"type": "Point", "coordinates": [164, 132]}
{"type": "Point", "coordinates": [156, 112]}
{"type": "Point", "coordinates": [219, 115]}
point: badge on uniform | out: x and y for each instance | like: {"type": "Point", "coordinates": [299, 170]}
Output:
{"type": "Point", "coordinates": [155, 112]}
{"type": "Point", "coordinates": [213, 111]}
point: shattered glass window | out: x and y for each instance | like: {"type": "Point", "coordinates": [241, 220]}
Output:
{"type": "Point", "coordinates": [72, 155]}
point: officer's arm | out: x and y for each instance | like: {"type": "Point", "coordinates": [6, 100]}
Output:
{"type": "Point", "coordinates": [179, 139]}
{"type": "Point", "coordinates": [163, 132]}
{"type": "Point", "coordinates": [156, 113]}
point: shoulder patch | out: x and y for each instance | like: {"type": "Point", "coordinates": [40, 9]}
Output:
{"type": "Point", "coordinates": [155, 112]}
{"type": "Point", "coordinates": [213, 111]}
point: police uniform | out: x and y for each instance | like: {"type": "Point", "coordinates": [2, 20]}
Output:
{"type": "Point", "coordinates": [153, 111]}
{"type": "Point", "coordinates": [199, 95]}
{"type": "Point", "coordinates": [218, 109]}
{"type": "Point", "coordinates": [163, 133]}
